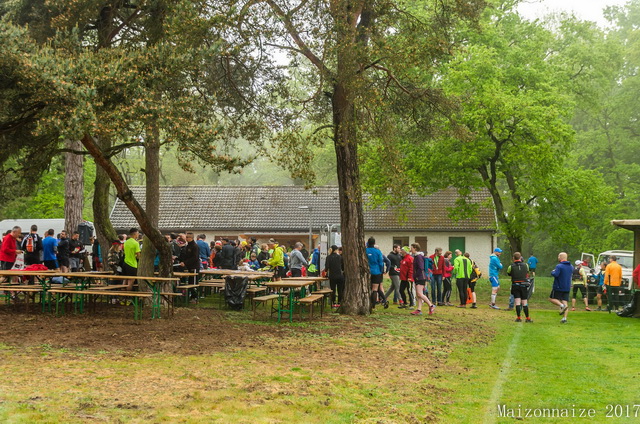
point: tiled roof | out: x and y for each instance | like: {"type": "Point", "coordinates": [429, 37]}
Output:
{"type": "Point", "coordinates": [276, 209]}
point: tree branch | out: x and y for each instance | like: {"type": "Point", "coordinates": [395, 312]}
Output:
{"type": "Point", "coordinates": [295, 35]}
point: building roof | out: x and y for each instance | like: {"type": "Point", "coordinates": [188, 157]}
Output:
{"type": "Point", "coordinates": [276, 209]}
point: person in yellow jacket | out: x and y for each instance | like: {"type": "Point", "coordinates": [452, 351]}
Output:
{"type": "Point", "coordinates": [277, 260]}
{"type": "Point", "coordinates": [613, 280]}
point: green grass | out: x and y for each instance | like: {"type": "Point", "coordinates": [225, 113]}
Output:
{"type": "Point", "coordinates": [455, 367]}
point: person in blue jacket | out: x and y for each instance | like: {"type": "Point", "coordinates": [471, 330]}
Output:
{"type": "Point", "coordinates": [376, 268]}
{"type": "Point", "coordinates": [494, 270]}
{"type": "Point", "coordinates": [562, 285]}
{"type": "Point", "coordinates": [533, 264]}
{"type": "Point", "coordinates": [315, 261]}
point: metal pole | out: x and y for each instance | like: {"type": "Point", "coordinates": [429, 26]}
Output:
{"type": "Point", "coordinates": [310, 232]}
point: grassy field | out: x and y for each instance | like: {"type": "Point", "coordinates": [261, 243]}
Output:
{"type": "Point", "coordinates": [207, 365]}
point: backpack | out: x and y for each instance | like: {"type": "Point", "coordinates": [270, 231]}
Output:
{"type": "Point", "coordinates": [475, 272]}
{"type": "Point", "coordinates": [30, 245]}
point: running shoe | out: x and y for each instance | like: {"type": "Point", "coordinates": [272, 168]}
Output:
{"type": "Point", "coordinates": [386, 305]}
{"type": "Point", "coordinates": [587, 309]}
{"type": "Point", "coordinates": [493, 307]}
{"type": "Point", "coordinates": [461, 306]}
{"type": "Point", "coordinates": [563, 321]}
{"type": "Point", "coordinates": [416, 312]}
{"type": "Point", "coordinates": [599, 309]}
{"type": "Point", "coordinates": [518, 319]}
{"type": "Point", "coordinates": [562, 309]}
{"type": "Point", "coordinates": [509, 309]}
{"type": "Point", "coordinates": [474, 306]}
{"type": "Point", "coordinates": [432, 309]}
{"type": "Point", "coordinates": [529, 320]}
{"type": "Point", "coordinates": [573, 309]}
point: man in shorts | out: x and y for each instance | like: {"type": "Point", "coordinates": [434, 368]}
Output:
{"type": "Point", "coordinates": [579, 282]}
{"type": "Point", "coordinates": [376, 269]}
{"type": "Point", "coordinates": [49, 250]}
{"type": "Point", "coordinates": [519, 273]}
{"type": "Point", "coordinates": [131, 257]}
{"type": "Point", "coordinates": [561, 285]}
{"type": "Point", "coordinates": [533, 264]}
{"type": "Point", "coordinates": [494, 270]}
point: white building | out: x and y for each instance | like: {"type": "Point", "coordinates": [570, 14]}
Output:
{"type": "Point", "coordinates": [265, 212]}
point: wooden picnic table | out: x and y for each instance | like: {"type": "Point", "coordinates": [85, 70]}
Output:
{"type": "Point", "coordinates": [292, 285]}
{"type": "Point", "coordinates": [260, 274]}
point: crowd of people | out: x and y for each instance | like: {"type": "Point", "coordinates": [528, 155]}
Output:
{"type": "Point", "coordinates": [417, 278]}
{"type": "Point", "coordinates": [56, 252]}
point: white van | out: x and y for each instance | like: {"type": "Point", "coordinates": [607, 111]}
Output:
{"type": "Point", "coordinates": [624, 258]}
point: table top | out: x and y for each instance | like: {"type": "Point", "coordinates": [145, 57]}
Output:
{"type": "Point", "coordinates": [185, 274]}
{"type": "Point", "coordinates": [289, 284]}
{"type": "Point", "coordinates": [235, 272]}
{"type": "Point", "coordinates": [316, 279]}
{"type": "Point", "coordinates": [19, 272]}
{"type": "Point", "coordinates": [140, 277]}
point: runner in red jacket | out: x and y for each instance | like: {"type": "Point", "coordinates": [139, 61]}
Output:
{"type": "Point", "coordinates": [9, 249]}
{"type": "Point", "coordinates": [406, 278]}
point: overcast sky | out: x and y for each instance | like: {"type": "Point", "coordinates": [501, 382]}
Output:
{"type": "Point", "coordinates": [584, 9]}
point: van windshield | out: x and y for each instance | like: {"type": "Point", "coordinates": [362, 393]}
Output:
{"type": "Point", "coordinates": [624, 261]}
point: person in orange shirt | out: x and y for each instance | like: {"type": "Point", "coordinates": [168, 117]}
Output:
{"type": "Point", "coordinates": [613, 279]}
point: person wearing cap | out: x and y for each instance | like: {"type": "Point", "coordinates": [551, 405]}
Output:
{"type": "Point", "coordinates": [406, 278]}
{"type": "Point", "coordinates": [579, 282]}
{"type": "Point", "coordinates": [494, 270]}
{"type": "Point", "coordinates": [215, 254]}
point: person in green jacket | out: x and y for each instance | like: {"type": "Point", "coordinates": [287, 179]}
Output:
{"type": "Point", "coordinates": [462, 266]}
{"type": "Point", "coordinates": [277, 260]}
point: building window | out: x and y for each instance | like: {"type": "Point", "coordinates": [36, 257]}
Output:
{"type": "Point", "coordinates": [402, 241]}
{"type": "Point", "coordinates": [422, 241]}
{"type": "Point", "coordinates": [457, 243]}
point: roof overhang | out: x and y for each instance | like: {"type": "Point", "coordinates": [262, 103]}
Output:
{"type": "Point", "coordinates": [627, 224]}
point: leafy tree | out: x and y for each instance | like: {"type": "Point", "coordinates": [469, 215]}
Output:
{"type": "Point", "coordinates": [357, 55]}
{"type": "Point", "coordinates": [511, 134]}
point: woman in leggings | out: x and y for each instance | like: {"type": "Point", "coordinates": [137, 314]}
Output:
{"type": "Point", "coordinates": [420, 279]}
{"type": "Point", "coordinates": [446, 279]}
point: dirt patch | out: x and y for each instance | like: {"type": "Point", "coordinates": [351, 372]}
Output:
{"type": "Point", "coordinates": [190, 331]}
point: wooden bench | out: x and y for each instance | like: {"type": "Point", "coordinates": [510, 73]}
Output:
{"type": "Point", "coordinates": [169, 298]}
{"type": "Point", "coordinates": [23, 289]}
{"type": "Point", "coordinates": [135, 296]}
{"type": "Point", "coordinates": [263, 299]}
{"type": "Point", "coordinates": [311, 300]}
{"type": "Point", "coordinates": [324, 292]}
{"type": "Point", "coordinates": [186, 288]}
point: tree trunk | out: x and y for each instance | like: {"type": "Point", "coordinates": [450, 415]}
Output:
{"type": "Point", "coordinates": [152, 206]}
{"type": "Point", "coordinates": [101, 221]}
{"type": "Point", "coordinates": [356, 268]}
{"type": "Point", "coordinates": [124, 193]}
{"type": "Point", "coordinates": [73, 187]}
